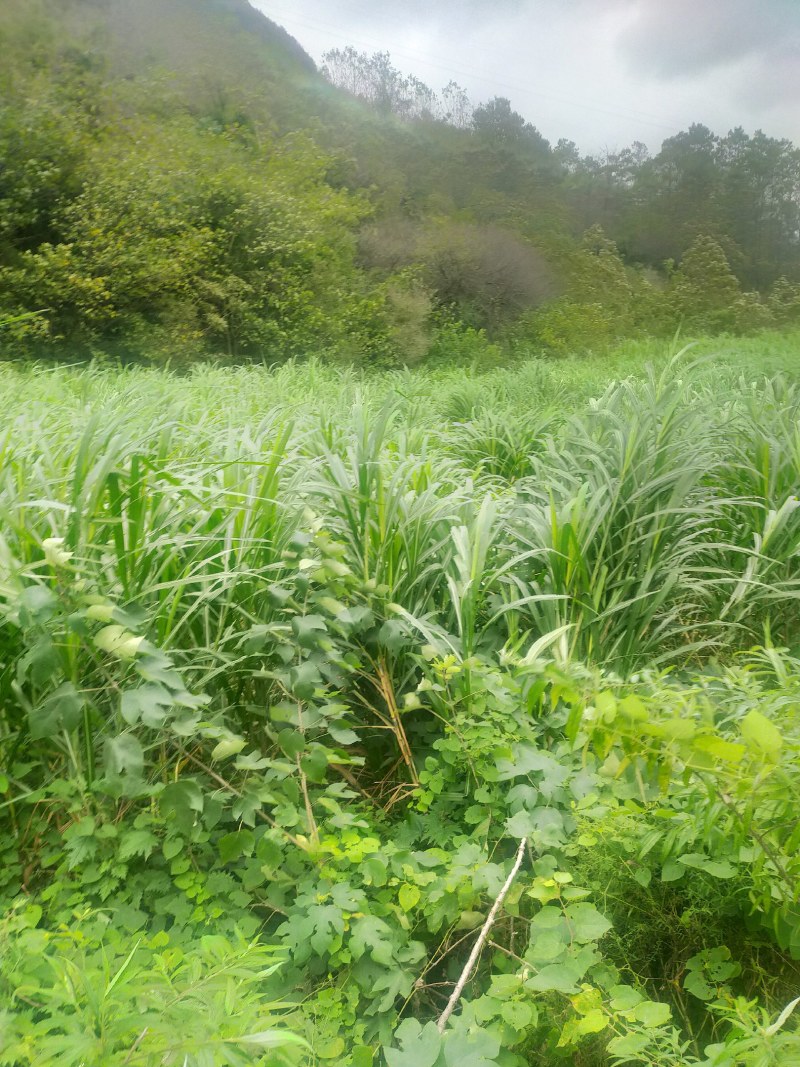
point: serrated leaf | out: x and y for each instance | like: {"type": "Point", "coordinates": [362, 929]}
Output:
{"type": "Point", "coordinates": [136, 843]}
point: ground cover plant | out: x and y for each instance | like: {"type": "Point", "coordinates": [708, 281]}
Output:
{"type": "Point", "coordinates": [299, 666]}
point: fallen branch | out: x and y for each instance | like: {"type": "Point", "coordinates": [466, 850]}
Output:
{"type": "Point", "coordinates": [476, 950]}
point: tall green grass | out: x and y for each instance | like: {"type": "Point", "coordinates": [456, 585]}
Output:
{"type": "Point", "coordinates": [311, 548]}
{"type": "Point", "coordinates": [653, 520]}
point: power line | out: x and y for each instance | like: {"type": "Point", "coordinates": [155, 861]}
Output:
{"type": "Point", "coordinates": [331, 31]}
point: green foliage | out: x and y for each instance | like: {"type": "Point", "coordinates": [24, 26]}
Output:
{"type": "Point", "coordinates": [84, 993]}
{"type": "Point", "coordinates": [294, 691]}
{"type": "Point", "coordinates": [704, 289]}
{"type": "Point", "coordinates": [179, 184]}
{"type": "Point", "coordinates": [246, 256]}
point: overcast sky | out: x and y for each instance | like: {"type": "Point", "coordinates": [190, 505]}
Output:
{"type": "Point", "coordinates": [602, 73]}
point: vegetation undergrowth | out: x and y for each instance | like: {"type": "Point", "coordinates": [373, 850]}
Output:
{"type": "Point", "coordinates": [294, 660]}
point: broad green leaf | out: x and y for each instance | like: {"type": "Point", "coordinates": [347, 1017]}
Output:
{"type": "Point", "coordinates": [118, 641]}
{"type": "Point", "coordinates": [304, 680]}
{"type": "Point", "coordinates": [362, 1056]}
{"type": "Point", "coordinates": [124, 755]}
{"type": "Point", "coordinates": [373, 936]}
{"type": "Point", "coordinates": [519, 1014]}
{"type": "Point", "coordinates": [419, 1045]}
{"type": "Point", "coordinates": [672, 871]}
{"type": "Point", "coordinates": [651, 1013]}
{"type": "Point", "coordinates": [606, 704]}
{"type": "Point", "coordinates": [342, 733]}
{"type": "Point", "coordinates": [37, 604]}
{"type": "Point", "coordinates": [586, 923]}
{"type": "Point", "coordinates": [292, 742]}
{"type": "Point", "coordinates": [171, 847]}
{"type": "Point", "coordinates": [269, 1039]}
{"type": "Point", "coordinates": [546, 947]}
{"type": "Point", "coordinates": [374, 870]}
{"type": "Point", "coordinates": [521, 825]}
{"type": "Point", "coordinates": [227, 747]}
{"type": "Point", "coordinates": [719, 749]}
{"type": "Point", "coordinates": [308, 629]}
{"type": "Point", "coordinates": [330, 1049]}
{"type": "Point", "coordinates": [408, 896]}
{"type": "Point", "coordinates": [717, 868]}
{"type": "Point", "coordinates": [148, 703]}
{"type": "Point", "coordinates": [236, 844]}
{"type": "Point", "coordinates": [470, 1048]}
{"type": "Point", "coordinates": [183, 800]}
{"type": "Point", "coordinates": [558, 978]}
{"type": "Point", "coordinates": [61, 710]}
{"type": "Point", "coordinates": [760, 734]}
{"type": "Point", "coordinates": [504, 986]}
{"type": "Point", "coordinates": [629, 1047]}
{"type": "Point", "coordinates": [592, 1022]}
{"type": "Point", "coordinates": [633, 708]}
{"type": "Point", "coordinates": [624, 997]}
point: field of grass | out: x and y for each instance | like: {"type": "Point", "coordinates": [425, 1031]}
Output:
{"type": "Point", "coordinates": [293, 660]}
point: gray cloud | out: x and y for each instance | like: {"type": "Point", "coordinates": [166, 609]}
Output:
{"type": "Point", "coordinates": [693, 37]}
{"type": "Point", "coordinates": [600, 72]}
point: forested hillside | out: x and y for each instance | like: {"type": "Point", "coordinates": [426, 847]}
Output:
{"type": "Point", "coordinates": [179, 180]}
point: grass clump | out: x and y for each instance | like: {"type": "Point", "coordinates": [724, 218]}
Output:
{"type": "Point", "coordinates": [289, 684]}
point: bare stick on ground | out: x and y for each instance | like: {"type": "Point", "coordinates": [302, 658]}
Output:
{"type": "Point", "coordinates": [476, 950]}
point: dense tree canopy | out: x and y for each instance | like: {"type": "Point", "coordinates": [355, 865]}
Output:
{"type": "Point", "coordinates": [178, 179]}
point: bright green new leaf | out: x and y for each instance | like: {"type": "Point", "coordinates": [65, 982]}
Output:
{"type": "Point", "coordinates": [408, 896]}
{"type": "Point", "coordinates": [118, 641]}
{"type": "Point", "coordinates": [760, 734]}
{"type": "Point", "coordinates": [228, 746]}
